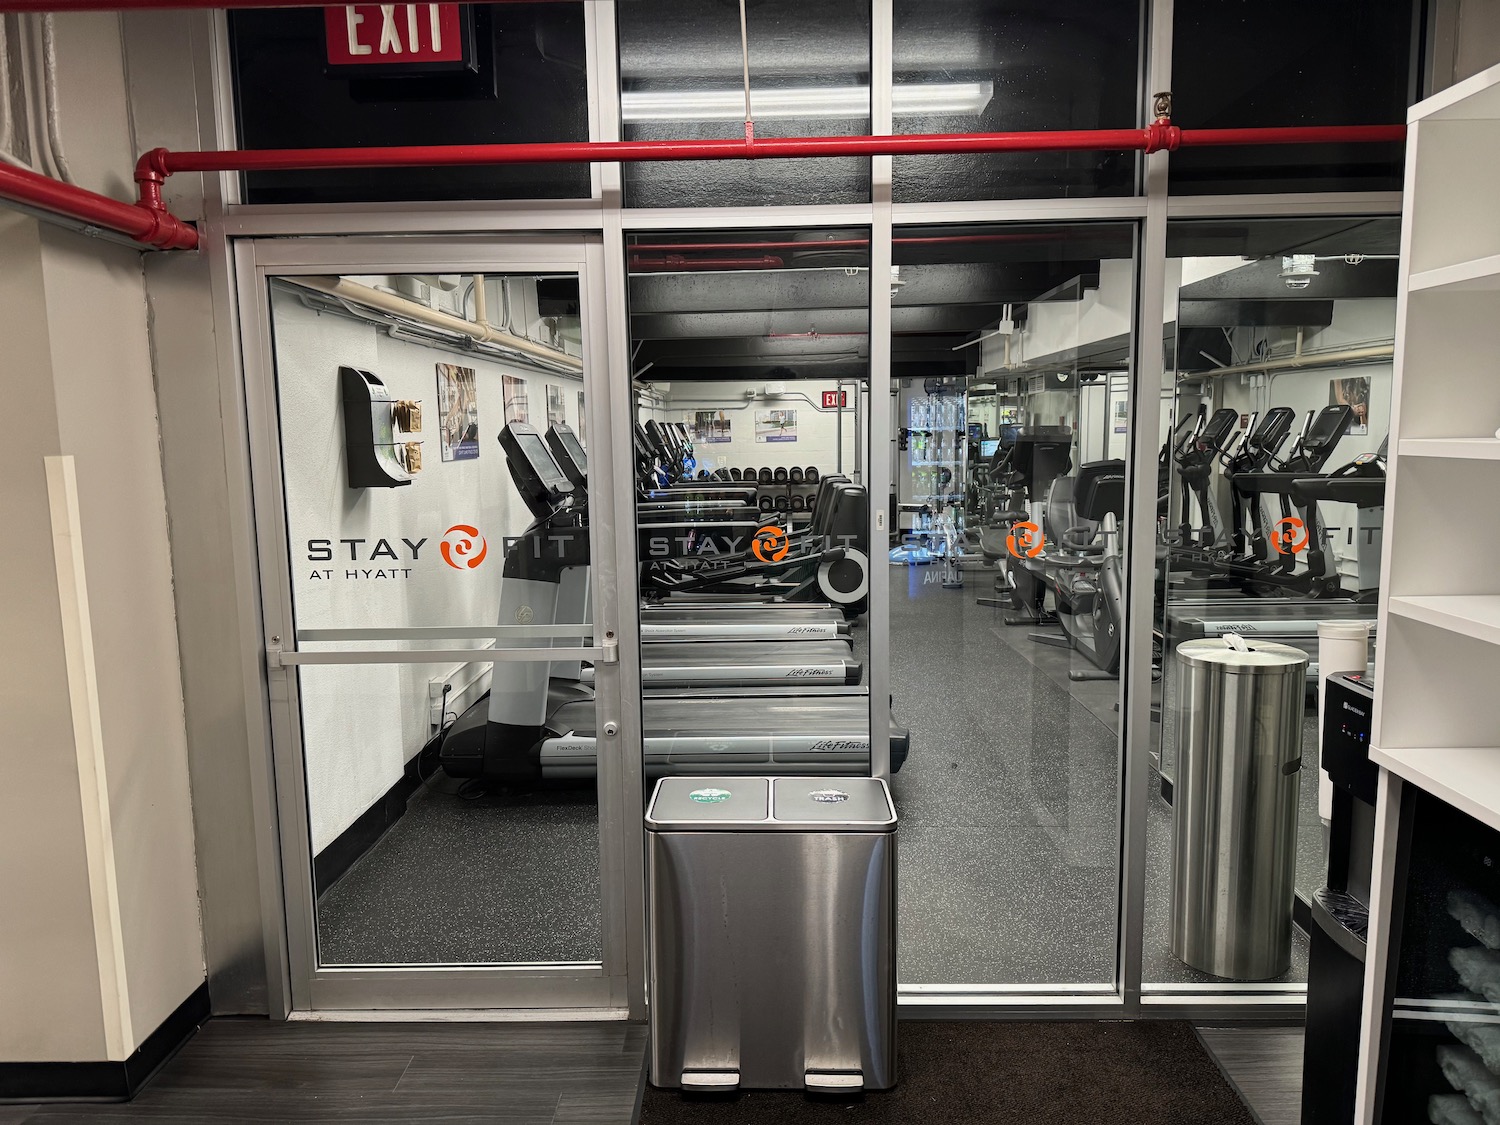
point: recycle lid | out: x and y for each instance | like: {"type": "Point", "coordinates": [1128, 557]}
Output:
{"type": "Point", "coordinates": [748, 804]}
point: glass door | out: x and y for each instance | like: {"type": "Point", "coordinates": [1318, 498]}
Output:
{"type": "Point", "coordinates": [441, 614]}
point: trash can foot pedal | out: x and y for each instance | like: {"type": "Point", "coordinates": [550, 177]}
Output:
{"type": "Point", "coordinates": [711, 1081]}
{"type": "Point", "coordinates": [833, 1081]}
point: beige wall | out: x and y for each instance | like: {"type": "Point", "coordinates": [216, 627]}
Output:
{"type": "Point", "coordinates": [99, 938]}
{"type": "Point", "coordinates": [49, 985]}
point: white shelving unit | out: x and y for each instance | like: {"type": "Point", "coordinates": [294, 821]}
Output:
{"type": "Point", "coordinates": [1437, 714]}
{"type": "Point", "coordinates": [1437, 667]}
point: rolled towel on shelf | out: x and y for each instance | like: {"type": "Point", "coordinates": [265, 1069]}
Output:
{"type": "Point", "coordinates": [1466, 1074]}
{"type": "Point", "coordinates": [1477, 915]}
{"type": "Point", "coordinates": [1451, 1109]}
{"type": "Point", "coordinates": [1482, 1038]}
{"type": "Point", "coordinates": [1478, 970]}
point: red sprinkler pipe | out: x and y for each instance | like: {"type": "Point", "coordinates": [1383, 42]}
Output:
{"type": "Point", "coordinates": [152, 225]}
{"type": "Point", "coordinates": [149, 221]}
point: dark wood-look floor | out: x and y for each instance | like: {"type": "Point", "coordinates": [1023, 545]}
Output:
{"type": "Point", "coordinates": [255, 1072]}
{"type": "Point", "coordinates": [1265, 1066]}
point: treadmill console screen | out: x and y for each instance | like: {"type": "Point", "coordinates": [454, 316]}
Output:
{"type": "Point", "coordinates": [987, 448]}
{"type": "Point", "coordinates": [534, 449]}
{"type": "Point", "coordinates": [571, 449]}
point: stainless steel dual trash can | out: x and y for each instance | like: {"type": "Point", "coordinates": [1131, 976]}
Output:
{"type": "Point", "coordinates": [773, 929]}
{"type": "Point", "coordinates": [1234, 805]}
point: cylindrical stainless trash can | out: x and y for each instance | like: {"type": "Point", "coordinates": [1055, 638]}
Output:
{"type": "Point", "coordinates": [772, 930]}
{"type": "Point", "coordinates": [1234, 806]}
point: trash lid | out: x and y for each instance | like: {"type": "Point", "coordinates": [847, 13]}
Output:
{"type": "Point", "coordinates": [1251, 658]}
{"type": "Point", "coordinates": [857, 803]}
{"type": "Point", "coordinates": [761, 804]}
{"type": "Point", "coordinates": [707, 802]}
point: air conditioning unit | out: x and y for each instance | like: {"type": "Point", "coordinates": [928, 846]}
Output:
{"type": "Point", "coordinates": [775, 390]}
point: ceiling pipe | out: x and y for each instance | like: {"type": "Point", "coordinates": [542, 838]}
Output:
{"type": "Point", "coordinates": [1370, 354]}
{"type": "Point", "coordinates": [148, 221]}
{"type": "Point", "coordinates": [345, 290]}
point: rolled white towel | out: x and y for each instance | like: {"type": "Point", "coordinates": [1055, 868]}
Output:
{"type": "Point", "coordinates": [1451, 1109]}
{"type": "Point", "coordinates": [1465, 1073]}
{"type": "Point", "coordinates": [1483, 1038]}
{"type": "Point", "coordinates": [1478, 970]}
{"type": "Point", "coordinates": [1477, 915]}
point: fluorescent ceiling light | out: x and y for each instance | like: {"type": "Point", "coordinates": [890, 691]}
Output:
{"type": "Point", "coordinates": [935, 99]}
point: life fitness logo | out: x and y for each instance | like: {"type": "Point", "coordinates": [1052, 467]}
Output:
{"type": "Point", "coordinates": [463, 547]}
{"type": "Point", "coordinates": [770, 544]}
{"type": "Point", "coordinates": [1025, 540]}
{"type": "Point", "coordinates": [1289, 536]}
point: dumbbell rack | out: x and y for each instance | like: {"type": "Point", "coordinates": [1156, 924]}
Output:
{"type": "Point", "coordinates": [785, 490]}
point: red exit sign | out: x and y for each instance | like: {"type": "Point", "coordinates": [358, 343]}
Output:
{"type": "Point", "coordinates": [833, 399]}
{"type": "Point", "coordinates": [385, 37]}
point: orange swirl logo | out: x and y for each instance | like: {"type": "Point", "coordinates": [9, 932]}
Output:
{"type": "Point", "coordinates": [1289, 536]}
{"type": "Point", "coordinates": [1025, 540]}
{"type": "Point", "coordinates": [770, 544]}
{"type": "Point", "coordinates": [463, 547]}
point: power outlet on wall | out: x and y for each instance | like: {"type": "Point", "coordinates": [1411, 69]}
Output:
{"type": "Point", "coordinates": [465, 684]}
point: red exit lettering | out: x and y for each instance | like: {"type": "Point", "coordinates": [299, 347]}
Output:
{"type": "Point", "coordinates": [366, 34]}
{"type": "Point", "coordinates": [833, 399]}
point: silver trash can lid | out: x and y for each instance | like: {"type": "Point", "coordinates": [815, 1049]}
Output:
{"type": "Point", "coordinates": [1256, 658]}
{"type": "Point", "coordinates": [760, 804]}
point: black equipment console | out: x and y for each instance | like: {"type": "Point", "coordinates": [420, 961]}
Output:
{"type": "Point", "coordinates": [1341, 910]}
{"type": "Point", "coordinates": [541, 483]}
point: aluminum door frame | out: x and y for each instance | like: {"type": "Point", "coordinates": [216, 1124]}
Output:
{"type": "Point", "coordinates": [614, 986]}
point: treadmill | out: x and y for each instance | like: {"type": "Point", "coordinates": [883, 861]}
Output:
{"type": "Point", "coordinates": [529, 729]}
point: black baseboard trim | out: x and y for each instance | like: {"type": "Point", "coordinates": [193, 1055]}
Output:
{"type": "Point", "coordinates": [106, 1081]}
{"type": "Point", "coordinates": [341, 854]}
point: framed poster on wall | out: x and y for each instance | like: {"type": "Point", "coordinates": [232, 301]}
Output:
{"type": "Point", "coordinates": [775, 425]}
{"type": "Point", "coordinates": [513, 390]}
{"type": "Point", "coordinates": [557, 414]}
{"type": "Point", "coordinates": [1353, 392]}
{"type": "Point", "coordinates": [458, 413]}
{"type": "Point", "coordinates": [583, 436]}
{"type": "Point", "coordinates": [710, 427]}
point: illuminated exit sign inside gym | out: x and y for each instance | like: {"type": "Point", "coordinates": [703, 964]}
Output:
{"type": "Point", "coordinates": [833, 399]}
{"type": "Point", "coordinates": [398, 38]}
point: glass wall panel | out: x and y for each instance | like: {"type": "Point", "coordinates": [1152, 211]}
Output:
{"type": "Point", "coordinates": [1340, 62]}
{"type": "Point", "coordinates": [1011, 353]}
{"type": "Point", "coordinates": [1275, 409]}
{"type": "Point", "coordinates": [986, 66]}
{"type": "Point", "coordinates": [440, 828]}
{"type": "Point", "coordinates": [750, 375]}
{"type": "Point", "coordinates": [682, 77]}
{"type": "Point", "coordinates": [523, 78]}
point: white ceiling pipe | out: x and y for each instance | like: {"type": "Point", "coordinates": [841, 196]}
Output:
{"type": "Point", "coordinates": [358, 294]}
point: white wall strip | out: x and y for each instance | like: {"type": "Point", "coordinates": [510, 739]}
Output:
{"type": "Point", "coordinates": [88, 744]}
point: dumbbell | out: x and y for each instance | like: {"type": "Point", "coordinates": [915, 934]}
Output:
{"type": "Point", "coordinates": [783, 504]}
{"type": "Point", "coordinates": [810, 475]}
{"type": "Point", "coordinates": [767, 477]}
{"type": "Point", "coordinates": [765, 504]}
{"type": "Point", "coordinates": [799, 502]}
{"type": "Point", "coordinates": [780, 475]}
{"type": "Point", "coordinates": [734, 474]}
{"type": "Point", "coordinates": [703, 474]}
{"type": "Point", "coordinates": [812, 502]}
{"type": "Point", "coordinates": [795, 474]}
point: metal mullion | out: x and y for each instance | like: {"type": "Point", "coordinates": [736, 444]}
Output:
{"type": "Point", "coordinates": [748, 217]}
{"type": "Point", "coordinates": [1058, 210]}
{"type": "Point", "coordinates": [1284, 205]}
{"type": "Point", "coordinates": [292, 219]}
{"type": "Point", "coordinates": [878, 427]}
{"type": "Point", "coordinates": [297, 909]}
{"type": "Point", "coordinates": [1140, 590]}
{"type": "Point", "coordinates": [612, 413]}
